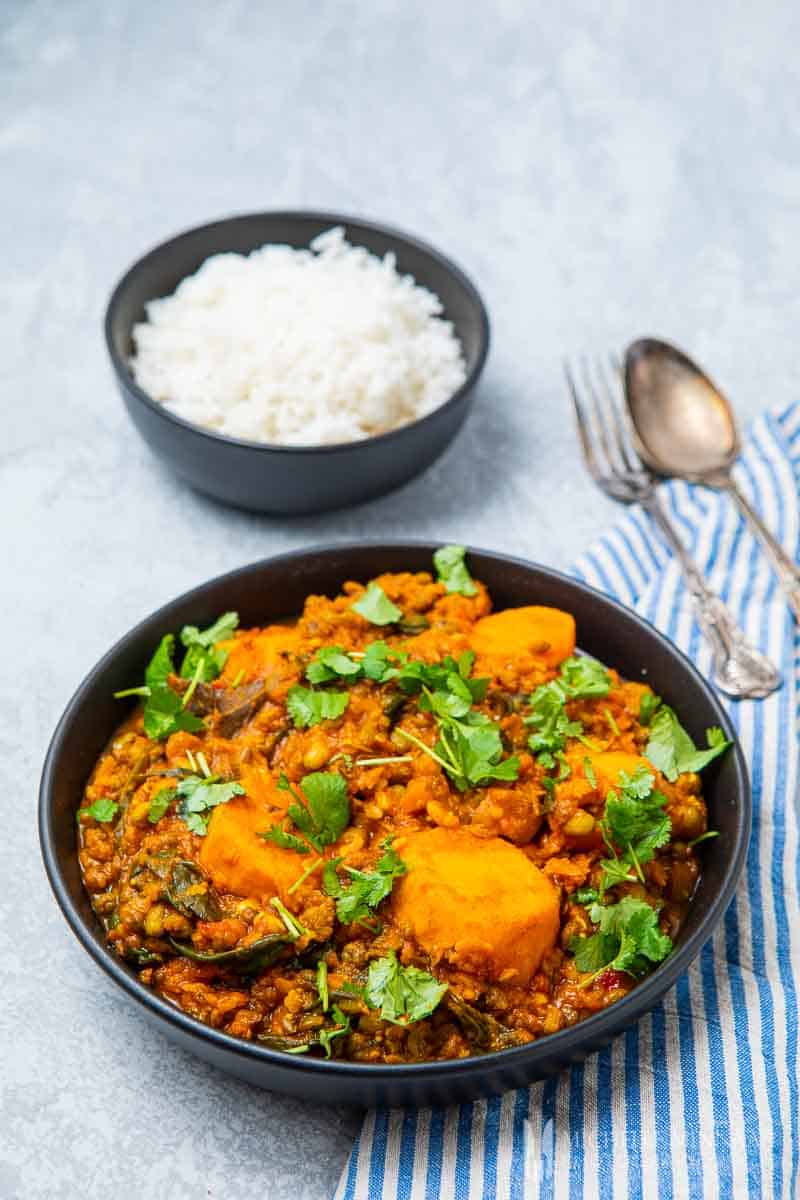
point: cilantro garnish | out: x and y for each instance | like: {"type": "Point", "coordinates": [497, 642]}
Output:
{"type": "Point", "coordinates": [634, 826]}
{"type": "Point", "coordinates": [672, 750]}
{"type": "Point", "coordinates": [331, 662]}
{"type": "Point", "coordinates": [102, 809]}
{"type": "Point", "coordinates": [308, 707]}
{"type": "Point", "coordinates": [451, 570]}
{"type": "Point", "coordinates": [164, 710]}
{"type": "Point", "coordinates": [403, 994]}
{"type": "Point", "coordinates": [198, 795]}
{"type": "Point", "coordinates": [321, 813]}
{"type": "Point", "coordinates": [580, 677]}
{"type": "Point", "coordinates": [627, 939]}
{"type": "Point", "coordinates": [376, 607]}
{"type": "Point", "coordinates": [159, 804]}
{"type": "Point", "coordinates": [647, 707]}
{"type": "Point", "coordinates": [200, 653]}
{"type": "Point", "coordinates": [367, 888]}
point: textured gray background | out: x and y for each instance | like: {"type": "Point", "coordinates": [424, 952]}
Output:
{"type": "Point", "coordinates": [601, 170]}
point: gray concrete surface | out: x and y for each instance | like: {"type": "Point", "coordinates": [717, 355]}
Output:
{"type": "Point", "coordinates": [602, 169]}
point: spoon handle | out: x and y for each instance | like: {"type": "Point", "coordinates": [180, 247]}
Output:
{"type": "Point", "coordinates": [787, 571]}
{"type": "Point", "coordinates": [740, 670]}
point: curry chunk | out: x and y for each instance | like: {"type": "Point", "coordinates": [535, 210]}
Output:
{"type": "Point", "coordinates": [548, 633]}
{"type": "Point", "coordinates": [477, 902]}
{"type": "Point", "coordinates": [238, 860]}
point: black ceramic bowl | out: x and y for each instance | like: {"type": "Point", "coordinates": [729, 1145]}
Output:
{"type": "Point", "coordinates": [293, 479]}
{"type": "Point", "coordinates": [277, 587]}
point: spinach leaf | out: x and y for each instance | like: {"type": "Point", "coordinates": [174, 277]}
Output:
{"type": "Point", "coordinates": [159, 804]}
{"type": "Point", "coordinates": [672, 750]}
{"type": "Point", "coordinates": [451, 570]}
{"type": "Point", "coordinates": [307, 707]}
{"type": "Point", "coordinates": [376, 607]}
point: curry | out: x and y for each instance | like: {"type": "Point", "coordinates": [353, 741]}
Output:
{"type": "Point", "coordinates": [401, 827]}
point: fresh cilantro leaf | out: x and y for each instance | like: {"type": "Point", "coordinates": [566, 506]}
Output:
{"type": "Point", "coordinates": [580, 677]}
{"type": "Point", "coordinates": [376, 607]}
{"type": "Point", "coordinates": [286, 841]}
{"type": "Point", "coordinates": [586, 895]}
{"type": "Point", "coordinates": [634, 826]}
{"type": "Point", "coordinates": [199, 795]}
{"type": "Point", "coordinates": [648, 705]}
{"type": "Point", "coordinates": [583, 676]}
{"type": "Point", "coordinates": [200, 651]}
{"type": "Point", "coordinates": [331, 662]}
{"type": "Point", "coordinates": [451, 570]}
{"type": "Point", "coordinates": [403, 994]}
{"type": "Point", "coordinates": [550, 722]}
{"type": "Point", "coordinates": [164, 713]}
{"type": "Point", "coordinates": [377, 661]}
{"type": "Point", "coordinates": [470, 749]}
{"type": "Point", "coordinates": [673, 752]}
{"type": "Point", "coordinates": [627, 939]}
{"type": "Point", "coordinates": [322, 817]}
{"type": "Point", "coordinates": [342, 1027]}
{"type": "Point", "coordinates": [159, 804]}
{"type": "Point", "coordinates": [103, 810]}
{"type": "Point", "coordinates": [307, 707]}
{"type": "Point", "coordinates": [367, 889]}
{"type": "Point", "coordinates": [588, 771]}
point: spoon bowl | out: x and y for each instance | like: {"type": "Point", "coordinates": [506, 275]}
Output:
{"type": "Point", "coordinates": [684, 425]}
{"type": "Point", "coordinates": [684, 428]}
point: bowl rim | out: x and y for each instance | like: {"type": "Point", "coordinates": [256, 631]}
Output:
{"type": "Point", "coordinates": [125, 375]}
{"type": "Point", "coordinates": [566, 1042]}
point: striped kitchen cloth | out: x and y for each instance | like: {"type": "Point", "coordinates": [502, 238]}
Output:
{"type": "Point", "coordinates": [700, 1099]}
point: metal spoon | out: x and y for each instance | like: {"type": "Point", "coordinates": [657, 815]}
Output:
{"type": "Point", "coordinates": [685, 428]}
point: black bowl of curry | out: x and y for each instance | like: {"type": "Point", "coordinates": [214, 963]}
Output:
{"type": "Point", "coordinates": [446, 831]}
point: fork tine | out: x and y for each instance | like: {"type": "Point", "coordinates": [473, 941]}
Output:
{"type": "Point", "coordinates": [589, 454]}
{"type": "Point", "coordinates": [601, 417]}
{"type": "Point", "coordinates": [614, 409]}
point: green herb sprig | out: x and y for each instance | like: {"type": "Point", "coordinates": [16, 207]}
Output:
{"type": "Point", "coordinates": [672, 750]}
{"type": "Point", "coordinates": [451, 570]}
{"type": "Point", "coordinates": [321, 814]}
{"type": "Point", "coordinates": [627, 939]}
{"type": "Point", "coordinates": [366, 890]}
{"type": "Point", "coordinates": [403, 994]}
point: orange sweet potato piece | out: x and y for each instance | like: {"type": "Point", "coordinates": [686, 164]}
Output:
{"type": "Point", "coordinates": [480, 903]}
{"type": "Point", "coordinates": [608, 765]}
{"type": "Point", "coordinates": [236, 858]}
{"type": "Point", "coordinates": [547, 632]}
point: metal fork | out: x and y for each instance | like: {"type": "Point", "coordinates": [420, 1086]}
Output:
{"type": "Point", "coordinates": [739, 668]}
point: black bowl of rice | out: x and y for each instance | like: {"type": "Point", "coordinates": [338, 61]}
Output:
{"type": "Point", "coordinates": [292, 362]}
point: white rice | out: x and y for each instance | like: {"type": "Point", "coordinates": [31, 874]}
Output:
{"type": "Point", "coordinates": [298, 347]}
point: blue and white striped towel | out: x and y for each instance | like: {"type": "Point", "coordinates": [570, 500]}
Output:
{"type": "Point", "coordinates": [700, 1099]}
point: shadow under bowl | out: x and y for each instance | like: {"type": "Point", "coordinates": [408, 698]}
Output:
{"type": "Point", "coordinates": [293, 479]}
{"type": "Point", "coordinates": [271, 589]}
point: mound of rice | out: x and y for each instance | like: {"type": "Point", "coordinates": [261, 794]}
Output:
{"type": "Point", "coordinates": [298, 347]}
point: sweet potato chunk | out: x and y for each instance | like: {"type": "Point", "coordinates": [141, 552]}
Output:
{"type": "Point", "coordinates": [477, 902]}
{"type": "Point", "coordinates": [608, 765]}
{"type": "Point", "coordinates": [548, 633]}
{"type": "Point", "coordinates": [239, 861]}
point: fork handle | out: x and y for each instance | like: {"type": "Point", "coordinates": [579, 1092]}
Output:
{"type": "Point", "coordinates": [740, 669]}
{"type": "Point", "coordinates": [787, 571]}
